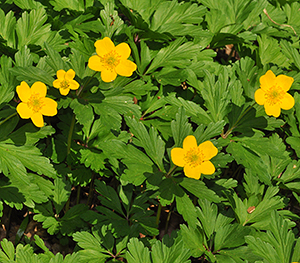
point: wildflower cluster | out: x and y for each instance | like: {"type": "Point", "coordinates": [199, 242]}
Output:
{"type": "Point", "coordinates": [110, 60]}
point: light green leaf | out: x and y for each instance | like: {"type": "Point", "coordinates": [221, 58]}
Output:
{"type": "Point", "coordinates": [151, 142]}
{"type": "Point", "coordinates": [136, 252]}
{"type": "Point", "coordinates": [186, 208]}
{"type": "Point", "coordinates": [92, 247]}
{"type": "Point", "coordinates": [7, 27]}
{"type": "Point", "coordinates": [32, 74]}
{"type": "Point", "coordinates": [180, 127]}
{"type": "Point", "coordinates": [31, 28]}
{"type": "Point", "coordinates": [61, 193]}
{"type": "Point", "coordinates": [199, 189]}
{"type": "Point", "coordinates": [193, 238]}
{"type": "Point", "coordinates": [84, 114]}
{"type": "Point", "coordinates": [177, 54]}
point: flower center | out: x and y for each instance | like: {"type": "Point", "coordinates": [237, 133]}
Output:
{"type": "Point", "coordinates": [35, 102]}
{"type": "Point", "coordinates": [64, 84]}
{"type": "Point", "coordinates": [110, 60]}
{"type": "Point", "coordinates": [194, 157]}
{"type": "Point", "coordinates": [274, 95]}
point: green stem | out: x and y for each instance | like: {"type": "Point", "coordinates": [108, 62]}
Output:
{"type": "Point", "coordinates": [67, 205]}
{"type": "Point", "coordinates": [168, 218]}
{"type": "Point", "coordinates": [85, 84]}
{"type": "Point", "coordinates": [78, 194]}
{"type": "Point", "coordinates": [158, 213]}
{"type": "Point", "coordinates": [168, 175]}
{"type": "Point", "coordinates": [91, 191]}
{"type": "Point", "coordinates": [224, 136]}
{"type": "Point", "coordinates": [70, 134]}
{"type": "Point", "coordinates": [9, 117]}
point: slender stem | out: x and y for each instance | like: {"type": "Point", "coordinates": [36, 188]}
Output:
{"type": "Point", "coordinates": [78, 194]}
{"type": "Point", "coordinates": [158, 213]}
{"type": "Point", "coordinates": [9, 117]}
{"type": "Point", "coordinates": [67, 205]}
{"type": "Point", "coordinates": [85, 84]}
{"type": "Point", "coordinates": [168, 218]}
{"type": "Point", "coordinates": [91, 191]}
{"type": "Point", "coordinates": [168, 175]}
{"type": "Point", "coordinates": [238, 120]}
{"type": "Point", "coordinates": [70, 134]}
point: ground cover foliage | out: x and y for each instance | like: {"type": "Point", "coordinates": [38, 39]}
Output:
{"type": "Point", "coordinates": [98, 177]}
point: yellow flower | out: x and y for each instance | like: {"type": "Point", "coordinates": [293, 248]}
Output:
{"type": "Point", "coordinates": [273, 93]}
{"type": "Point", "coordinates": [111, 60]}
{"type": "Point", "coordinates": [34, 103]}
{"type": "Point", "coordinates": [65, 81]}
{"type": "Point", "coordinates": [194, 159]}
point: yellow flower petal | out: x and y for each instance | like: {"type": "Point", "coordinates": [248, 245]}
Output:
{"type": "Point", "coordinates": [64, 91]}
{"type": "Point", "coordinates": [61, 74]}
{"type": "Point", "coordinates": [123, 50]}
{"type": "Point", "coordinates": [287, 102]}
{"type": "Point", "coordinates": [24, 91]}
{"type": "Point", "coordinates": [56, 83]}
{"type": "Point", "coordinates": [177, 156]}
{"type": "Point", "coordinates": [207, 168]}
{"type": "Point", "coordinates": [272, 110]}
{"type": "Point", "coordinates": [208, 149]}
{"type": "Point", "coordinates": [73, 84]}
{"type": "Point", "coordinates": [285, 82]}
{"type": "Point", "coordinates": [259, 97]}
{"type": "Point", "coordinates": [189, 142]}
{"type": "Point", "coordinates": [268, 80]}
{"type": "Point", "coordinates": [24, 111]}
{"type": "Point", "coordinates": [49, 108]}
{"type": "Point", "coordinates": [70, 74]}
{"type": "Point", "coordinates": [104, 46]}
{"type": "Point", "coordinates": [37, 119]}
{"type": "Point", "coordinates": [125, 68]}
{"type": "Point", "coordinates": [39, 88]}
{"type": "Point", "coordinates": [108, 76]}
{"type": "Point", "coordinates": [192, 172]}
{"type": "Point", "coordinates": [95, 63]}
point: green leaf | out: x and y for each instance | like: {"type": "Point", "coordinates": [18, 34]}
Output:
{"type": "Point", "coordinates": [8, 252]}
{"type": "Point", "coordinates": [193, 238]}
{"type": "Point", "coordinates": [263, 207]}
{"type": "Point", "coordinates": [77, 5]}
{"type": "Point", "coordinates": [186, 208]}
{"type": "Point", "coordinates": [170, 249]}
{"type": "Point", "coordinates": [92, 247]}
{"type": "Point", "coordinates": [139, 165]}
{"type": "Point", "coordinates": [270, 52]}
{"type": "Point", "coordinates": [180, 127]}
{"type": "Point", "coordinates": [136, 252]}
{"type": "Point", "coordinates": [32, 74]}
{"type": "Point", "coordinates": [249, 159]}
{"type": "Point", "coordinates": [197, 113]}
{"type": "Point", "coordinates": [230, 236]}
{"type": "Point", "coordinates": [29, 134]}
{"type": "Point", "coordinates": [7, 88]}
{"type": "Point", "coordinates": [23, 57]}
{"type": "Point", "coordinates": [277, 244]}
{"type": "Point", "coordinates": [84, 114]}
{"type": "Point", "coordinates": [174, 55]}
{"type": "Point", "coordinates": [7, 27]}
{"type": "Point", "coordinates": [151, 142]}
{"type": "Point", "coordinates": [72, 219]}
{"type": "Point", "coordinates": [93, 159]}
{"type": "Point", "coordinates": [109, 197]}
{"type": "Point", "coordinates": [199, 189]}
{"type": "Point", "coordinates": [204, 133]}
{"type": "Point", "coordinates": [31, 28]}
{"type": "Point", "coordinates": [61, 193]}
